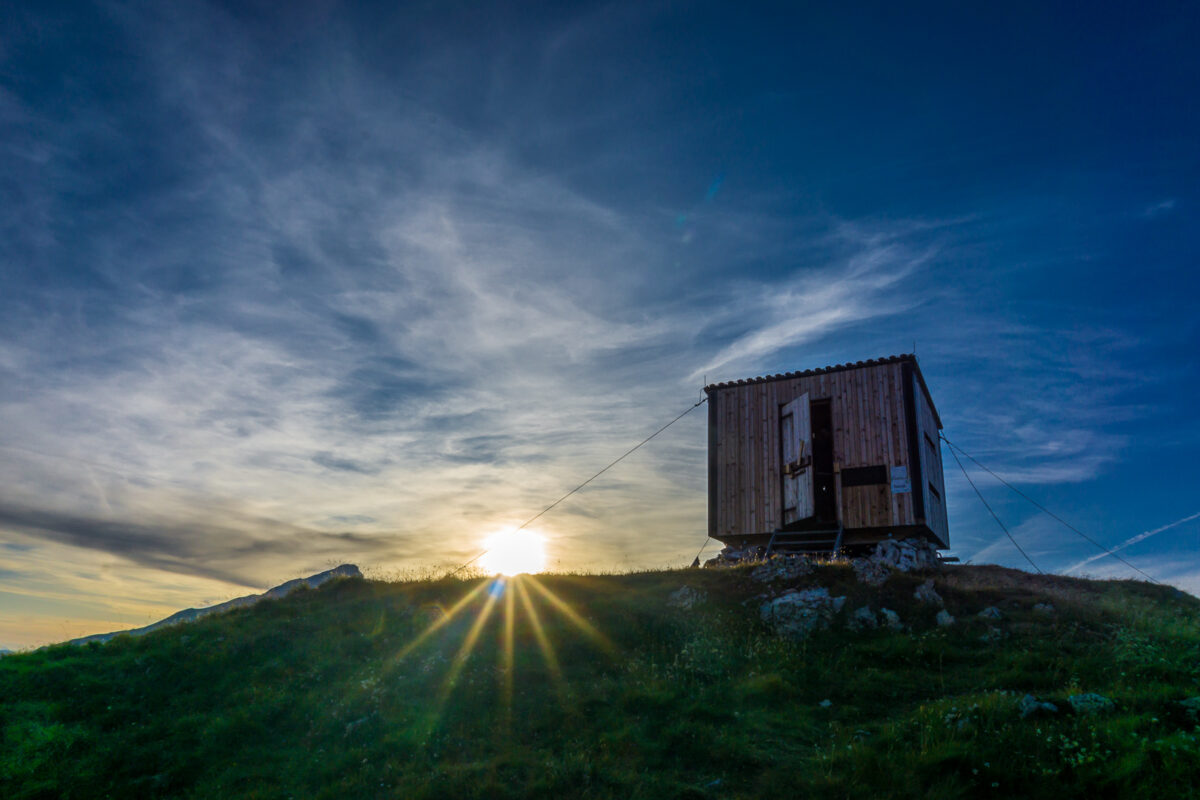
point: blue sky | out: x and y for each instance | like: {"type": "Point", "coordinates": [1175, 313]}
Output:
{"type": "Point", "coordinates": [286, 287]}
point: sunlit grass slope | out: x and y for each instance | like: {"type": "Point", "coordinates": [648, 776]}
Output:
{"type": "Point", "coordinates": [592, 686]}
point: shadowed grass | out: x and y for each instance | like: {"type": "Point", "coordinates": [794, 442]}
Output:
{"type": "Point", "coordinates": [592, 686]}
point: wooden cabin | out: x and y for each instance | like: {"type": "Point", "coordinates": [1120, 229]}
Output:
{"type": "Point", "coordinates": [829, 459]}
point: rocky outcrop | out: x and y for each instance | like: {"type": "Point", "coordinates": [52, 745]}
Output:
{"type": "Point", "coordinates": [190, 614]}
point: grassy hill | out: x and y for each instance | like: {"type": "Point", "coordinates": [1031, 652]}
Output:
{"type": "Point", "coordinates": [594, 686]}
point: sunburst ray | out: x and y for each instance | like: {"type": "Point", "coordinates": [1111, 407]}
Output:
{"type": "Point", "coordinates": [468, 645]}
{"type": "Point", "coordinates": [508, 657]}
{"type": "Point", "coordinates": [539, 632]}
{"type": "Point", "coordinates": [439, 623]}
{"type": "Point", "coordinates": [587, 628]}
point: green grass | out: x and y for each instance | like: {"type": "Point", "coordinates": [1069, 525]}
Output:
{"type": "Point", "coordinates": [323, 694]}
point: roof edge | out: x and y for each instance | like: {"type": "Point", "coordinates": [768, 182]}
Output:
{"type": "Point", "coordinates": [870, 362]}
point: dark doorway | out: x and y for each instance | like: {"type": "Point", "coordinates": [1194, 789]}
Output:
{"type": "Point", "coordinates": [824, 492]}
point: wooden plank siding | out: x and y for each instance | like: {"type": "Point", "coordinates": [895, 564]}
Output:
{"type": "Point", "coordinates": [933, 483]}
{"type": "Point", "coordinates": [869, 428]}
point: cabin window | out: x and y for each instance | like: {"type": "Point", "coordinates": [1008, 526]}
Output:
{"type": "Point", "coordinates": [864, 476]}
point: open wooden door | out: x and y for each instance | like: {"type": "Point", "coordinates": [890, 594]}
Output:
{"type": "Point", "coordinates": [795, 440]}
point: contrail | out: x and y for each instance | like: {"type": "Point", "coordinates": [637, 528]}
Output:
{"type": "Point", "coordinates": [1133, 540]}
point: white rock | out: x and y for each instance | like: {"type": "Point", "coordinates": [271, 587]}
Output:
{"type": "Point", "coordinates": [862, 619]}
{"type": "Point", "coordinates": [944, 619]}
{"type": "Point", "coordinates": [1090, 703]}
{"type": "Point", "coordinates": [685, 597]}
{"type": "Point", "coordinates": [1030, 706]}
{"type": "Point", "coordinates": [925, 593]}
{"type": "Point", "coordinates": [799, 613]}
{"type": "Point", "coordinates": [891, 619]}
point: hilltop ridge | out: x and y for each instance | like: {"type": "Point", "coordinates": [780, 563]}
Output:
{"type": "Point", "coordinates": [655, 684]}
{"type": "Point", "coordinates": [192, 614]}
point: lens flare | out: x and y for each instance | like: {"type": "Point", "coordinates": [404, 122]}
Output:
{"type": "Point", "coordinates": [514, 553]}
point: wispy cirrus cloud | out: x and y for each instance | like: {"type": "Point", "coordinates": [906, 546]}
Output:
{"type": "Point", "coordinates": [375, 319]}
{"type": "Point", "coordinates": [343, 286]}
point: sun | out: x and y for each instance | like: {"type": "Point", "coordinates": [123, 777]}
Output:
{"type": "Point", "coordinates": [514, 553]}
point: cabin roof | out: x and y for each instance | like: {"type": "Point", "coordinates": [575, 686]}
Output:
{"type": "Point", "coordinates": [870, 362]}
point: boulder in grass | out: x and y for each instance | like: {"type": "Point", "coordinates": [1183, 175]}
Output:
{"type": "Point", "coordinates": [1030, 706]}
{"type": "Point", "coordinates": [685, 597]}
{"type": "Point", "coordinates": [1045, 609]}
{"type": "Point", "coordinates": [799, 613]}
{"type": "Point", "coordinates": [1090, 703]}
{"type": "Point", "coordinates": [891, 619]}
{"type": "Point", "coordinates": [1192, 707]}
{"type": "Point", "coordinates": [991, 612]}
{"type": "Point", "coordinates": [430, 614]}
{"type": "Point", "coordinates": [944, 619]}
{"type": "Point", "coordinates": [925, 593]}
{"type": "Point", "coordinates": [862, 619]}
{"type": "Point", "coordinates": [992, 636]}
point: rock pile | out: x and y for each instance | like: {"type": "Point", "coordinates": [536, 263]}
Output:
{"type": "Point", "coordinates": [891, 555]}
{"type": "Point", "coordinates": [782, 568]}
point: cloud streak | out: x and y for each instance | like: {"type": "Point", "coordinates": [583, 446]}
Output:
{"type": "Point", "coordinates": [1132, 540]}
